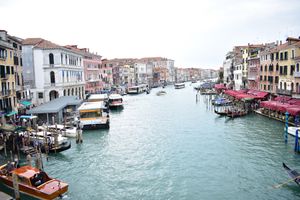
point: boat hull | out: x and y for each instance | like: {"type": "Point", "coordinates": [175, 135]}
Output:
{"type": "Point", "coordinates": [30, 192]}
{"type": "Point", "coordinates": [292, 173]}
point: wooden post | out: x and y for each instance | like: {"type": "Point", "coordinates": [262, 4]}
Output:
{"type": "Point", "coordinates": [16, 186]}
{"type": "Point", "coordinates": [28, 159]}
{"type": "Point", "coordinates": [286, 127]}
{"type": "Point", "coordinates": [296, 149]}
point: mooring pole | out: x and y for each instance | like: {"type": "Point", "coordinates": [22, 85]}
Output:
{"type": "Point", "coordinates": [286, 127]}
{"type": "Point", "coordinates": [16, 186]}
{"type": "Point", "coordinates": [296, 149]}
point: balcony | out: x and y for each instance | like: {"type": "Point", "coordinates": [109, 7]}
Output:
{"type": "Point", "coordinates": [297, 74]}
{"type": "Point", "coordinates": [284, 92]}
{"type": "Point", "coordinates": [5, 92]}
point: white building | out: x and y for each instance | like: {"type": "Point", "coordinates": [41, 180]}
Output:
{"type": "Point", "coordinates": [228, 68]}
{"type": "Point", "coordinates": [141, 72]}
{"type": "Point", "coordinates": [51, 71]}
{"type": "Point", "coordinates": [238, 76]}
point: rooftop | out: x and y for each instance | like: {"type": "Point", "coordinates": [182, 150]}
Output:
{"type": "Point", "coordinates": [55, 105]}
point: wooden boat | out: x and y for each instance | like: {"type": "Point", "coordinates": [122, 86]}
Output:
{"type": "Point", "coordinates": [223, 113]}
{"type": "Point", "coordinates": [236, 114]}
{"type": "Point", "coordinates": [292, 173]}
{"type": "Point", "coordinates": [33, 182]}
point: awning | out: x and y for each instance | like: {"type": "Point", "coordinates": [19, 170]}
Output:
{"type": "Point", "coordinates": [25, 103]}
{"type": "Point", "coordinates": [11, 113]}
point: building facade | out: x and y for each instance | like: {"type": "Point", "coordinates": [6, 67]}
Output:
{"type": "Point", "coordinates": [52, 70]}
{"type": "Point", "coordinates": [8, 58]}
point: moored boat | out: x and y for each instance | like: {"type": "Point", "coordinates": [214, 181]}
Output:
{"type": "Point", "coordinates": [292, 173]}
{"type": "Point", "coordinates": [32, 182]}
{"type": "Point", "coordinates": [223, 113]}
{"type": "Point", "coordinates": [292, 130]}
{"type": "Point", "coordinates": [235, 114]}
{"type": "Point", "coordinates": [179, 85]}
{"type": "Point", "coordinates": [115, 101]}
{"type": "Point", "coordinates": [93, 115]}
{"type": "Point", "coordinates": [66, 131]}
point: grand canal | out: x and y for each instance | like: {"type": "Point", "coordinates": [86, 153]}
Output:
{"type": "Point", "coordinates": [170, 147]}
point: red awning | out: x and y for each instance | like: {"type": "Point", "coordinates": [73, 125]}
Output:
{"type": "Point", "coordinates": [294, 110]}
{"type": "Point", "coordinates": [220, 86]}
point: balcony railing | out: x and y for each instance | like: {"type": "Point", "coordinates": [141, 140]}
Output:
{"type": "Point", "coordinates": [284, 92]}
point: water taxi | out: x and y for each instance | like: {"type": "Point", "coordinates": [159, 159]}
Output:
{"type": "Point", "coordinates": [115, 101]}
{"type": "Point", "coordinates": [137, 89]}
{"type": "Point", "coordinates": [93, 115]}
{"type": "Point", "coordinates": [32, 182]}
{"type": "Point", "coordinates": [97, 97]}
{"type": "Point", "coordinates": [179, 85]}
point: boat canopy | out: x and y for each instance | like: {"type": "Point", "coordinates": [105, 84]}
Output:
{"type": "Point", "coordinates": [242, 94]}
{"type": "Point", "coordinates": [92, 105]}
{"type": "Point", "coordinates": [220, 86]}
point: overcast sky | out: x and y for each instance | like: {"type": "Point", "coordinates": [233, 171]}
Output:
{"type": "Point", "coordinates": [194, 33]}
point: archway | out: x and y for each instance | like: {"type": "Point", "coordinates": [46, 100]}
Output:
{"type": "Point", "coordinates": [53, 94]}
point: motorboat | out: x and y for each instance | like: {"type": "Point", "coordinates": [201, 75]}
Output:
{"type": "Point", "coordinates": [32, 182]}
{"type": "Point", "coordinates": [115, 101]}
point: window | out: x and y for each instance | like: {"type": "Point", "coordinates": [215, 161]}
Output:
{"type": "Point", "coordinates": [270, 68]}
{"type": "Point", "coordinates": [51, 59]}
{"type": "Point", "coordinates": [293, 54]}
{"type": "Point", "coordinates": [265, 87]}
{"type": "Point", "coordinates": [265, 68]}
{"type": "Point", "coordinates": [12, 70]}
{"type": "Point", "coordinates": [285, 70]}
{"type": "Point", "coordinates": [269, 87]}
{"type": "Point", "coordinates": [52, 77]}
{"type": "Point", "coordinates": [16, 60]}
{"type": "Point", "coordinates": [281, 71]}
{"type": "Point", "coordinates": [292, 69]}
{"type": "Point", "coordinates": [277, 55]}
{"type": "Point", "coordinates": [261, 78]}
{"type": "Point", "coordinates": [276, 79]}
{"type": "Point", "coordinates": [7, 69]}
{"type": "Point", "coordinates": [297, 67]}
{"type": "Point", "coordinates": [277, 67]}
{"type": "Point", "coordinates": [286, 55]}
{"type": "Point", "coordinates": [281, 56]}
{"type": "Point", "coordinates": [15, 45]}
{"type": "Point", "coordinates": [40, 95]}
{"type": "Point", "coordinates": [265, 78]}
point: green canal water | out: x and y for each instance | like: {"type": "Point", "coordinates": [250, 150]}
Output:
{"type": "Point", "coordinates": [170, 147]}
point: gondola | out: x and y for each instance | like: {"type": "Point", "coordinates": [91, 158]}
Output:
{"type": "Point", "coordinates": [223, 113]}
{"type": "Point", "coordinates": [236, 114]}
{"type": "Point", "coordinates": [292, 173]}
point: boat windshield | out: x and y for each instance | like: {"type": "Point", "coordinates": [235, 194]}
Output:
{"type": "Point", "coordinates": [90, 114]}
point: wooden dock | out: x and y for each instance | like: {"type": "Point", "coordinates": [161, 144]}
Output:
{"type": "Point", "coordinates": [271, 117]}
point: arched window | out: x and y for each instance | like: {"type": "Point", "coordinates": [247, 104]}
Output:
{"type": "Point", "coordinates": [68, 92]}
{"type": "Point", "coordinates": [51, 59]}
{"type": "Point", "coordinates": [297, 88]}
{"type": "Point", "coordinates": [72, 93]}
{"type": "Point", "coordinates": [280, 85]}
{"type": "Point", "coordinates": [52, 77]}
{"type": "Point", "coordinates": [76, 91]}
{"type": "Point", "coordinates": [297, 67]}
{"type": "Point", "coordinates": [64, 92]}
{"type": "Point", "coordinates": [292, 87]}
{"type": "Point", "coordinates": [284, 85]}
